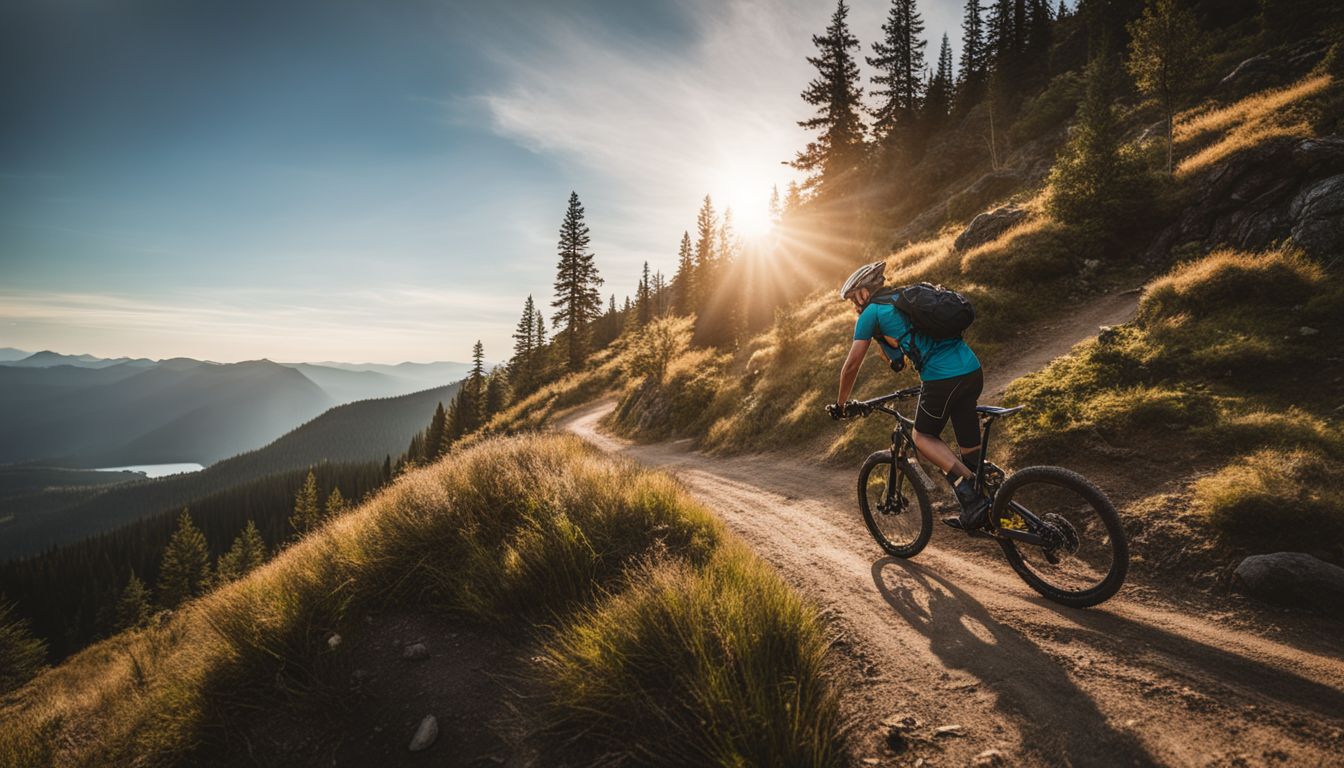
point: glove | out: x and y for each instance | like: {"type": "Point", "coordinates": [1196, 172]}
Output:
{"type": "Point", "coordinates": [836, 411]}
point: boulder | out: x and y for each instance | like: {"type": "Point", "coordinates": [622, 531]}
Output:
{"type": "Point", "coordinates": [426, 734]}
{"type": "Point", "coordinates": [988, 226]}
{"type": "Point", "coordinates": [1294, 578]}
{"type": "Point", "coordinates": [1318, 218]}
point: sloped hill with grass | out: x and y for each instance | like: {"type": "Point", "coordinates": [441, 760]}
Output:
{"type": "Point", "coordinates": [652, 634]}
{"type": "Point", "coordinates": [1219, 406]}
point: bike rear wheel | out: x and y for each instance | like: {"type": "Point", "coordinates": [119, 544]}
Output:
{"type": "Point", "coordinates": [895, 505]}
{"type": "Point", "coordinates": [1088, 555]}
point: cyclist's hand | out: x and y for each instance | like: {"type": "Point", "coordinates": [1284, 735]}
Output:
{"type": "Point", "coordinates": [856, 408]}
{"type": "Point", "coordinates": [835, 411]}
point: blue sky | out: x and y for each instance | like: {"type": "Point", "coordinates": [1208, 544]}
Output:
{"type": "Point", "coordinates": [381, 181]}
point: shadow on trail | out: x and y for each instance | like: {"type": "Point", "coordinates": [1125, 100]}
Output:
{"type": "Point", "coordinates": [1140, 641]}
{"type": "Point", "coordinates": [1060, 724]}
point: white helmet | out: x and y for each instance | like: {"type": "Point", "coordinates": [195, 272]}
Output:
{"type": "Point", "coordinates": [868, 276]}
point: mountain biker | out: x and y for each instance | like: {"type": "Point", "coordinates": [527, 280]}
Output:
{"type": "Point", "coordinates": [951, 383]}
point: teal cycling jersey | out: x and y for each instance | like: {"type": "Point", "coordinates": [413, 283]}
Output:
{"type": "Point", "coordinates": [943, 358]}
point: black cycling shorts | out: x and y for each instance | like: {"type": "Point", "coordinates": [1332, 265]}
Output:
{"type": "Point", "coordinates": [954, 399]}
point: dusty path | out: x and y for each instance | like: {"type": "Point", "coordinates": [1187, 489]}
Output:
{"type": "Point", "coordinates": [952, 637]}
{"type": "Point", "coordinates": [1047, 341]}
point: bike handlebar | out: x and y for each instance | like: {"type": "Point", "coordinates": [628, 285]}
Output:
{"type": "Point", "coordinates": [900, 394]}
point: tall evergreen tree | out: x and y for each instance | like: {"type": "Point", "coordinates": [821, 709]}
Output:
{"type": "Point", "coordinates": [185, 571]}
{"type": "Point", "coordinates": [644, 298]}
{"type": "Point", "coordinates": [1063, 11]}
{"type": "Point", "coordinates": [999, 34]}
{"type": "Point", "coordinates": [974, 59]}
{"type": "Point", "coordinates": [705, 226]}
{"type": "Point", "coordinates": [899, 61]}
{"type": "Point", "coordinates": [659, 293]}
{"type": "Point", "coordinates": [776, 206]}
{"type": "Point", "coordinates": [434, 436]}
{"type": "Point", "coordinates": [1036, 48]}
{"type": "Point", "coordinates": [836, 94]}
{"type": "Point", "coordinates": [577, 301]}
{"type": "Point", "coordinates": [307, 514]}
{"type": "Point", "coordinates": [132, 611]}
{"type": "Point", "coordinates": [938, 100]}
{"type": "Point", "coordinates": [248, 551]}
{"type": "Point", "coordinates": [683, 303]}
{"type": "Point", "coordinates": [522, 366]}
{"type": "Point", "coordinates": [1163, 55]}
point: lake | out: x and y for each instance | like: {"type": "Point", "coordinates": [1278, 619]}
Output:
{"type": "Point", "coordinates": [155, 470]}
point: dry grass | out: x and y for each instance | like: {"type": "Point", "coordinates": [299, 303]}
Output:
{"type": "Point", "coordinates": [519, 532]}
{"type": "Point", "coordinates": [1244, 124]}
{"type": "Point", "coordinates": [1277, 499]}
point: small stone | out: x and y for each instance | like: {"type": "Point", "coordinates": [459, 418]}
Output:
{"type": "Point", "coordinates": [920, 763]}
{"type": "Point", "coordinates": [988, 759]}
{"type": "Point", "coordinates": [415, 651]}
{"type": "Point", "coordinates": [871, 761]}
{"type": "Point", "coordinates": [1307, 330]}
{"type": "Point", "coordinates": [1131, 722]}
{"type": "Point", "coordinates": [1091, 263]}
{"type": "Point", "coordinates": [333, 641]}
{"type": "Point", "coordinates": [949, 730]}
{"type": "Point", "coordinates": [425, 734]}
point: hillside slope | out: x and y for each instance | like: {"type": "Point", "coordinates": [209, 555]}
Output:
{"type": "Point", "coordinates": [645, 634]}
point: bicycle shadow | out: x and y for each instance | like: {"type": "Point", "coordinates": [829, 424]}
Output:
{"type": "Point", "coordinates": [1232, 670]}
{"type": "Point", "coordinates": [1059, 723]}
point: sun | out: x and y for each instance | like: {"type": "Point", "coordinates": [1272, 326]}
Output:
{"type": "Point", "coordinates": [749, 200]}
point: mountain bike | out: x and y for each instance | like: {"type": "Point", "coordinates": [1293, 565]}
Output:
{"type": "Point", "coordinates": [1058, 531]}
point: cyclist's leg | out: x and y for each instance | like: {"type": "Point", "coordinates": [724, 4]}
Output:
{"type": "Point", "coordinates": [931, 416]}
{"type": "Point", "coordinates": [965, 421]}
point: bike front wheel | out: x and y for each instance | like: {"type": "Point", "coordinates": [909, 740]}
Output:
{"type": "Point", "coordinates": [1086, 555]}
{"type": "Point", "coordinates": [894, 504]}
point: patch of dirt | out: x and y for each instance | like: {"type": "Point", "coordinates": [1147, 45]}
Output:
{"type": "Point", "coordinates": [469, 678]}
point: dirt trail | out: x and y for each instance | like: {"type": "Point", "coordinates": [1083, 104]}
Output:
{"type": "Point", "coordinates": [953, 637]}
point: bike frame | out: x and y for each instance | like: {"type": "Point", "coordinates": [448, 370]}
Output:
{"type": "Point", "coordinates": [903, 435]}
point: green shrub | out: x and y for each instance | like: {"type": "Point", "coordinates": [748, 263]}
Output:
{"type": "Point", "coordinates": [1232, 282]}
{"type": "Point", "coordinates": [721, 666]}
{"type": "Point", "coordinates": [1277, 499]}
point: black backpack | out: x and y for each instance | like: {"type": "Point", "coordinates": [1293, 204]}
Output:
{"type": "Point", "coordinates": [934, 311]}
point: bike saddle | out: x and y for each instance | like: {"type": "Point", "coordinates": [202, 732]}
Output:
{"type": "Point", "coordinates": [994, 410]}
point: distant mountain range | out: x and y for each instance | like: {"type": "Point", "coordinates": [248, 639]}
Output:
{"type": "Point", "coordinates": [86, 411]}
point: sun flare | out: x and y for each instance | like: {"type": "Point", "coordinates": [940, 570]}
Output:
{"type": "Point", "coordinates": [749, 200]}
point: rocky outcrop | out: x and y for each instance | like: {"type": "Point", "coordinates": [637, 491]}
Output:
{"type": "Point", "coordinates": [1295, 579]}
{"type": "Point", "coordinates": [988, 226]}
{"type": "Point", "coordinates": [1272, 68]}
{"type": "Point", "coordinates": [1282, 189]}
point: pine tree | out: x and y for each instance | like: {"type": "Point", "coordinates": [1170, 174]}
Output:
{"type": "Point", "coordinates": [185, 571]}
{"type": "Point", "coordinates": [434, 435]}
{"type": "Point", "coordinates": [974, 60]}
{"type": "Point", "coordinates": [1096, 182]}
{"type": "Point", "coordinates": [496, 392]}
{"type": "Point", "coordinates": [248, 552]}
{"type": "Point", "coordinates": [683, 282]}
{"type": "Point", "coordinates": [387, 468]}
{"type": "Point", "coordinates": [132, 609]}
{"type": "Point", "coordinates": [1036, 47]}
{"type": "Point", "coordinates": [938, 101]}
{"type": "Point", "coordinates": [521, 367]}
{"type": "Point", "coordinates": [644, 298]}
{"type": "Point", "coordinates": [1163, 56]}
{"type": "Point", "coordinates": [776, 207]}
{"type": "Point", "coordinates": [793, 199]}
{"type": "Point", "coordinates": [900, 65]}
{"type": "Point", "coordinates": [476, 381]}
{"type": "Point", "coordinates": [659, 293]}
{"type": "Point", "coordinates": [999, 34]}
{"type": "Point", "coordinates": [306, 512]}
{"type": "Point", "coordinates": [577, 301]}
{"type": "Point", "coordinates": [837, 150]}
{"type": "Point", "coordinates": [336, 503]}
{"type": "Point", "coordinates": [22, 654]}
{"type": "Point", "coordinates": [705, 222]}
{"type": "Point", "coordinates": [1063, 11]}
